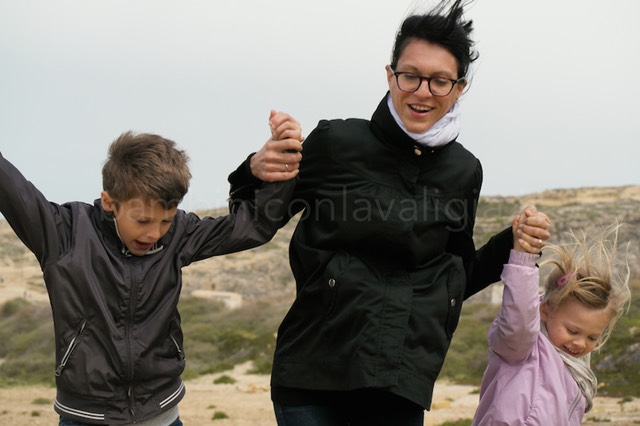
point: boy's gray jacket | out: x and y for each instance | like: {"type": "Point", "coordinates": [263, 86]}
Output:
{"type": "Point", "coordinates": [119, 352]}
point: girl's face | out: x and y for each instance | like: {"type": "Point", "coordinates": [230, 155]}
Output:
{"type": "Point", "coordinates": [573, 327]}
{"type": "Point", "coordinates": [419, 110]}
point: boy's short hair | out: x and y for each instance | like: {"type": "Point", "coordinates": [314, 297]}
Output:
{"type": "Point", "coordinates": [147, 166]}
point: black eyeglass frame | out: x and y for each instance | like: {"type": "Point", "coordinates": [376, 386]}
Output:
{"type": "Point", "coordinates": [428, 79]}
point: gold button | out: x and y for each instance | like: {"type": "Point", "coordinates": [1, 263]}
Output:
{"type": "Point", "coordinates": [417, 151]}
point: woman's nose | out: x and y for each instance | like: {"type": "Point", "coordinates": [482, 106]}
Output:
{"type": "Point", "coordinates": [424, 89]}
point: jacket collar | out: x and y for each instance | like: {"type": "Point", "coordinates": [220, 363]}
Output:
{"type": "Point", "coordinates": [109, 229]}
{"type": "Point", "coordinates": [387, 130]}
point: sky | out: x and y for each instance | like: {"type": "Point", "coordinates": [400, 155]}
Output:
{"type": "Point", "coordinates": [553, 100]}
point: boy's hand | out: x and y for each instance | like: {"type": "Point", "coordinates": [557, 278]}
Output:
{"type": "Point", "coordinates": [530, 230]}
{"type": "Point", "coordinates": [279, 158]}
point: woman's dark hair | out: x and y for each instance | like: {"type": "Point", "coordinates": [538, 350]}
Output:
{"type": "Point", "coordinates": [445, 26]}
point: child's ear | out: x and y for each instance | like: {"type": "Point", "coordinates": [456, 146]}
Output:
{"type": "Point", "coordinates": [544, 311]}
{"type": "Point", "coordinates": [107, 202]}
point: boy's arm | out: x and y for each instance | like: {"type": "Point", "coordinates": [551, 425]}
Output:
{"type": "Point", "coordinates": [515, 330]}
{"type": "Point", "coordinates": [242, 185]}
{"type": "Point", "coordinates": [252, 222]}
{"type": "Point", "coordinates": [257, 209]}
{"type": "Point", "coordinates": [31, 216]}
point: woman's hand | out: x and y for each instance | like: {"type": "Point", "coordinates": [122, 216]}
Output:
{"type": "Point", "coordinates": [279, 158]}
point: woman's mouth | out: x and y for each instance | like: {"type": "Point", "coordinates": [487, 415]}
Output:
{"type": "Point", "coordinates": [420, 108]}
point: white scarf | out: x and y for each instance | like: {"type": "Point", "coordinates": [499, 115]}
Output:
{"type": "Point", "coordinates": [441, 133]}
{"type": "Point", "coordinates": [580, 369]}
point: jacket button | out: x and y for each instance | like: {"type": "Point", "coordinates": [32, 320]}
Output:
{"type": "Point", "coordinates": [417, 151]}
{"type": "Point", "coordinates": [453, 303]}
{"type": "Point", "coordinates": [332, 282]}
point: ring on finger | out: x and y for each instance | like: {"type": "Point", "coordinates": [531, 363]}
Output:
{"type": "Point", "coordinates": [540, 242]}
{"type": "Point", "coordinates": [286, 167]}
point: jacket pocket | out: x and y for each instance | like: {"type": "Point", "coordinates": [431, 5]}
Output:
{"type": "Point", "coordinates": [332, 281]}
{"type": "Point", "coordinates": [166, 358]}
{"type": "Point", "coordinates": [439, 288]}
{"type": "Point", "coordinates": [70, 348]}
{"type": "Point", "coordinates": [456, 283]}
{"type": "Point", "coordinates": [437, 291]}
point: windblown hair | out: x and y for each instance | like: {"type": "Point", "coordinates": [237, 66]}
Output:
{"type": "Point", "coordinates": [594, 270]}
{"type": "Point", "coordinates": [146, 166]}
{"type": "Point", "coordinates": [444, 25]}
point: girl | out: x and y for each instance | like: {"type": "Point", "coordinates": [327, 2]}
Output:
{"type": "Point", "coordinates": [539, 359]}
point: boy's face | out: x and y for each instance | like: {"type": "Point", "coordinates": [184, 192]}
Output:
{"type": "Point", "coordinates": [140, 223]}
{"type": "Point", "coordinates": [573, 327]}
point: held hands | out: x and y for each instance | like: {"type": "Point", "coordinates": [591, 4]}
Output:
{"type": "Point", "coordinates": [530, 230]}
{"type": "Point", "coordinates": [279, 158]}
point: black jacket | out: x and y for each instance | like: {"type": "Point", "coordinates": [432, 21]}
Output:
{"type": "Point", "coordinates": [119, 351]}
{"type": "Point", "coordinates": [383, 257]}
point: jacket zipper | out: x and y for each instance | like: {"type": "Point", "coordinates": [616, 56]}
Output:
{"type": "Point", "coordinates": [128, 332]}
{"type": "Point", "coordinates": [70, 348]}
{"type": "Point", "coordinates": [175, 342]}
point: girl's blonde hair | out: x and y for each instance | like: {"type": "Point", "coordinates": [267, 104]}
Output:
{"type": "Point", "coordinates": [593, 270]}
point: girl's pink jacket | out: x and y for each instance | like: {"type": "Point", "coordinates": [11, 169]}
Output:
{"type": "Point", "coordinates": [526, 381]}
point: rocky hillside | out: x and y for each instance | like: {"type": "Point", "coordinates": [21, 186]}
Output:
{"type": "Point", "coordinates": [265, 271]}
{"type": "Point", "coordinates": [262, 277]}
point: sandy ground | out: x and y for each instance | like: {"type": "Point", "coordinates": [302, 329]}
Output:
{"type": "Point", "coordinates": [246, 403]}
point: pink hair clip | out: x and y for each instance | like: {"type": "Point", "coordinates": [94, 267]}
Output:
{"type": "Point", "coordinates": [563, 279]}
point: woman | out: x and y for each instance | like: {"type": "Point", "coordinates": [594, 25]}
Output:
{"type": "Point", "coordinates": [383, 254]}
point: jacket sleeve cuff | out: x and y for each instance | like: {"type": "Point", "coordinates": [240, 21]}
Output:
{"type": "Point", "coordinates": [522, 258]}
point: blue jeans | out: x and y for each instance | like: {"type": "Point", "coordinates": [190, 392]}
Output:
{"type": "Point", "coordinates": [349, 415]}
{"type": "Point", "coordinates": [67, 422]}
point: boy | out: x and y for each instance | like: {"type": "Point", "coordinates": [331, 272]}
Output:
{"type": "Point", "coordinates": [113, 272]}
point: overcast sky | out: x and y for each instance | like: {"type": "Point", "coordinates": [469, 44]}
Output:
{"type": "Point", "coordinates": [553, 102]}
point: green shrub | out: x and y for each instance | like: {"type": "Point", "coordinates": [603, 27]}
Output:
{"type": "Point", "coordinates": [218, 339]}
{"type": "Point", "coordinates": [599, 420]}
{"type": "Point", "coordinates": [467, 357]}
{"type": "Point", "coordinates": [26, 330]}
{"type": "Point", "coordinates": [219, 415]}
{"type": "Point", "coordinates": [460, 422]}
{"type": "Point", "coordinates": [224, 380]}
{"type": "Point", "coordinates": [618, 376]}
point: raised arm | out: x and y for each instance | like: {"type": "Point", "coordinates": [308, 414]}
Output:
{"type": "Point", "coordinates": [515, 330]}
{"type": "Point", "coordinates": [530, 229]}
{"type": "Point", "coordinates": [259, 204]}
{"type": "Point", "coordinates": [38, 223]}
{"type": "Point", "coordinates": [277, 160]}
